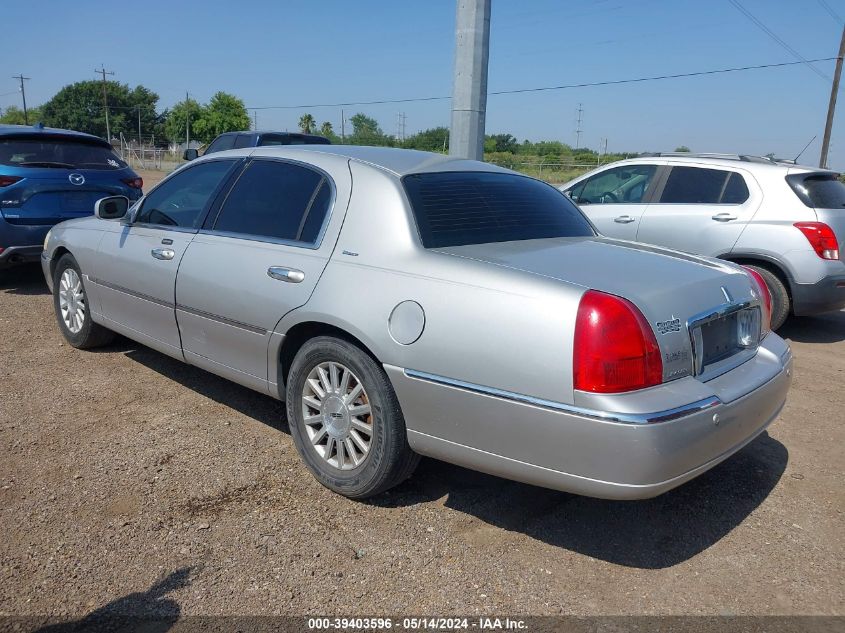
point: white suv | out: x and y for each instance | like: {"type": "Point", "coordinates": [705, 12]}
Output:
{"type": "Point", "coordinates": [784, 220]}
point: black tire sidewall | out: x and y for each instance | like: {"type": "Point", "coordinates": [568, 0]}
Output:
{"type": "Point", "coordinates": [388, 440]}
{"type": "Point", "coordinates": [781, 305]}
{"type": "Point", "coordinates": [82, 337]}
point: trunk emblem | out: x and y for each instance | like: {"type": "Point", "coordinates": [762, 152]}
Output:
{"type": "Point", "coordinates": [76, 179]}
{"type": "Point", "coordinates": [672, 325]}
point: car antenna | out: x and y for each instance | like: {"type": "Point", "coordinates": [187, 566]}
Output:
{"type": "Point", "coordinates": [795, 160]}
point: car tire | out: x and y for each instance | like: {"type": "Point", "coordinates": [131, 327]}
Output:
{"type": "Point", "coordinates": [331, 439]}
{"type": "Point", "coordinates": [781, 304]}
{"type": "Point", "coordinates": [72, 307]}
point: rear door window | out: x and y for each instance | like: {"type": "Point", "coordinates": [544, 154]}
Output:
{"type": "Point", "coordinates": [697, 185]}
{"type": "Point", "coordinates": [276, 200]}
{"type": "Point", "coordinates": [62, 154]}
{"type": "Point", "coordinates": [619, 185]}
{"type": "Point", "coordinates": [459, 208]}
{"type": "Point", "coordinates": [221, 143]}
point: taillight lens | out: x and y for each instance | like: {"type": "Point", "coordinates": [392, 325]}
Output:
{"type": "Point", "coordinates": [615, 348]}
{"type": "Point", "coordinates": [765, 296]}
{"type": "Point", "coordinates": [135, 183]}
{"type": "Point", "coordinates": [5, 181]}
{"type": "Point", "coordinates": [821, 238]}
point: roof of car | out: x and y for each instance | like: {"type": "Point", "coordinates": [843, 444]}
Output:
{"type": "Point", "coordinates": [736, 160]}
{"type": "Point", "coordinates": [29, 130]}
{"type": "Point", "coordinates": [397, 161]}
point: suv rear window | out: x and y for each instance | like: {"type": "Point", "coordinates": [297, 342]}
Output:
{"type": "Point", "coordinates": [59, 153]}
{"type": "Point", "coordinates": [820, 191]}
{"type": "Point", "coordinates": [459, 208]}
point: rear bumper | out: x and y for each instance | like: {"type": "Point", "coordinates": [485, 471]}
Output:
{"type": "Point", "coordinates": [825, 295]}
{"type": "Point", "coordinates": [642, 457]}
{"type": "Point", "coordinates": [12, 255]}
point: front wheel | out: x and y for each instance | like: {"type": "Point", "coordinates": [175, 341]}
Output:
{"type": "Point", "coordinates": [73, 310]}
{"type": "Point", "coordinates": [345, 419]}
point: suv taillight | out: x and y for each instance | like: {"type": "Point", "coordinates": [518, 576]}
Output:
{"type": "Point", "coordinates": [135, 183]}
{"type": "Point", "coordinates": [615, 348]}
{"type": "Point", "coordinates": [5, 181]}
{"type": "Point", "coordinates": [765, 296]}
{"type": "Point", "coordinates": [821, 238]}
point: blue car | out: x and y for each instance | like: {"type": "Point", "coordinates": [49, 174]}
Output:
{"type": "Point", "coordinates": [49, 175]}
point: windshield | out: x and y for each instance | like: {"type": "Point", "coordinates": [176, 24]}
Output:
{"type": "Point", "coordinates": [58, 153]}
{"type": "Point", "coordinates": [460, 208]}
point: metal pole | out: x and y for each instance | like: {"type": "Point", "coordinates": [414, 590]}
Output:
{"type": "Point", "coordinates": [21, 78]}
{"type": "Point", "coordinates": [105, 72]}
{"type": "Point", "coordinates": [187, 122]}
{"type": "Point", "coordinates": [831, 108]}
{"type": "Point", "coordinates": [342, 127]}
{"type": "Point", "coordinates": [469, 90]}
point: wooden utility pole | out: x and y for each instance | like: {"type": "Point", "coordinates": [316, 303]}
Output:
{"type": "Point", "coordinates": [105, 72]}
{"type": "Point", "coordinates": [831, 108]}
{"type": "Point", "coordinates": [21, 78]}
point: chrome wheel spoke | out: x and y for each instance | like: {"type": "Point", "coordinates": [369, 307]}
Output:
{"type": "Point", "coordinates": [337, 415]}
{"type": "Point", "coordinates": [71, 300]}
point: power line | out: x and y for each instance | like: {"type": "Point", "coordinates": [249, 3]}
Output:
{"type": "Point", "coordinates": [830, 10]}
{"type": "Point", "coordinates": [613, 82]}
{"type": "Point", "coordinates": [771, 34]}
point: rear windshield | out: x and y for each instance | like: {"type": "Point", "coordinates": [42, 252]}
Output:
{"type": "Point", "coordinates": [459, 208]}
{"type": "Point", "coordinates": [58, 153]}
{"type": "Point", "coordinates": [820, 191]}
{"type": "Point", "coordinates": [284, 139]}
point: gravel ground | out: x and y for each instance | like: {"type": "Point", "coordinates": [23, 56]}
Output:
{"type": "Point", "coordinates": [130, 481]}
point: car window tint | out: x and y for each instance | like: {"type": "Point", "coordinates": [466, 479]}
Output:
{"type": "Point", "coordinates": [276, 200]}
{"type": "Point", "coordinates": [44, 151]}
{"type": "Point", "coordinates": [221, 143]}
{"type": "Point", "coordinates": [458, 208]}
{"type": "Point", "coordinates": [694, 185]}
{"type": "Point", "coordinates": [620, 185]}
{"type": "Point", "coordinates": [243, 140]}
{"type": "Point", "coordinates": [182, 199]}
{"type": "Point", "coordinates": [825, 192]}
{"type": "Point", "coordinates": [736, 191]}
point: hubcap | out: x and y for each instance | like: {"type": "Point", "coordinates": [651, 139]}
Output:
{"type": "Point", "coordinates": [71, 301]}
{"type": "Point", "coordinates": [337, 415]}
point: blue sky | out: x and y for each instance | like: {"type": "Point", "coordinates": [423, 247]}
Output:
{"type": "Point", "coordinates": [326, 51]}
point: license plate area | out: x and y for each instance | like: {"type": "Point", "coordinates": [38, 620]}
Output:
{"type": "Point", "coordinates": [77, 202]}
{"type": "Point", "coordinates": [724, 339]}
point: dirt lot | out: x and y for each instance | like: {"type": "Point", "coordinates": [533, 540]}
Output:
{"type": "Point", "coordinates": [131, 481]}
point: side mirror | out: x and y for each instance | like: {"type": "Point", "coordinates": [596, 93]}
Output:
{"type": "Point", "coordinates": [112, 208]}
{"type": "Point", "coordinates": [190, 154]}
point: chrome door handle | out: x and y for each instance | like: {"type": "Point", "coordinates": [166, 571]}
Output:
{"type": "Point", "coordinates": [163, 253]}
{"type": "Point", "coordinates": [724, 217]}
{"type": "Point", "coordinates": [291, 275]}
{"type": "Point", "coordinates": [624, 219]}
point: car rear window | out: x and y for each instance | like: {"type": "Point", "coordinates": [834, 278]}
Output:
{"type": "Point", "coordinates": [292, 139]}
{"type": "Point", "coordinates": [820, 191]}
{"type": "Point", "coordinates": [459, 208]}
{"type": "Point", "coordinates": [58, 153]}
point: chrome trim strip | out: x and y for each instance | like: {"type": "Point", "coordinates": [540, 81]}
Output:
{"type": "Point", "coordinates": [131, 293]}
{"type": "Point", "coordinates": [606, 416]}
{"type": "Point", "coordinates": [214, 317]}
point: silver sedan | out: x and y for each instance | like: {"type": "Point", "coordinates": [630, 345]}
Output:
{"type": "Point", "coordinates": [405, 303]}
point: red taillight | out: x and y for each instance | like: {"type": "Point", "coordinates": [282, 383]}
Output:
{"type": "Point", "coordinates": [821, 238]}
{"type": "Point", "coordinates": [5, 181]}
{"type": "Point", "coordinates": [135, 183]}
{"type": "Point", "coordinates": [765, 296]}
{"type": "Point", "coordinates": [615, 348]}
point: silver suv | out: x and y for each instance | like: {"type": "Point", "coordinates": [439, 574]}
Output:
{"type": "Point", "coordinates": [784, 220]}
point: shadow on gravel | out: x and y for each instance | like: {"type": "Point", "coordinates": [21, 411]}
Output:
{"type": "Point", "coordinates": [650, 534]}
{"type": "Point", "coordinates": [26, 279]}
{"type": "Point", "coordinates": [263, 409]}
{"type": "Point", "coordinates": [153, 608]}
{"type": "Point", "coordinates": [824, 328]}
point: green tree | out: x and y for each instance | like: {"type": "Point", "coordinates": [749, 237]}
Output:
{"type": "Point", "coordinates": [184, 112]}
{"type": "Point", "coordinates": [224, 113]}
{"type": "Point", "coordinates": [79, 107]}
{"type": "Point", "coordinates": [682, 148]}
{"type": "Point", "coordinates": [13, 115]}
{"type": "Point", "coordinates": [432, 140]}
{"type": "Point", "coordinates": [307, 123]}
{"type": "Point", "coordinates": [327, 130]}
{"type": "Point", "coordinates": [502, 143]}
{"type": "Point", "coordinates": [366, 131]}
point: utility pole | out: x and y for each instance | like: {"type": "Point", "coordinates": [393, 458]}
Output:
{"type": "Point", "coordinates": [469, 89]}
{"type": "Point", "coordinates": [255, 120]}
{"type": "Point", "coordinates": [21, 78]}
{"type": "Point", "coordinates": [831, 108]}
{"type": "Point", "coordinates": [400, 126]}
{"type": "Point", "coordinates": [342, 127]}
{"type": "Point", "coordinates": [105, 72]}
{"type": "Point", "coordinates": [578, 128]}
{"type": "Point", "coordinates": [187, 121]}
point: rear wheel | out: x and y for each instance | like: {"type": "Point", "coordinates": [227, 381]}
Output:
{"type": "Point", "coordinates": [345, 419]}
{"type": "Point", "coordinates": [781, 304]}
{"type": "Point", "coordinates": [72, 307]}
